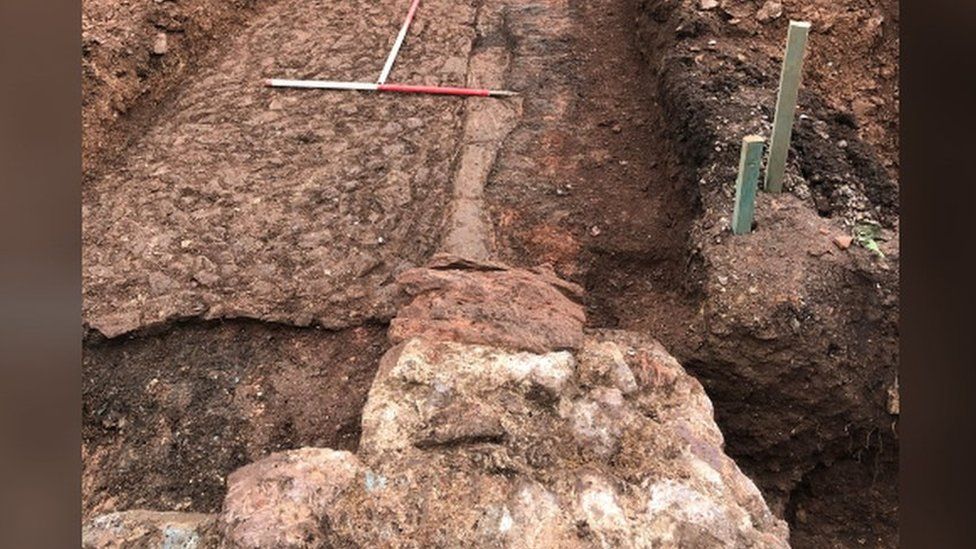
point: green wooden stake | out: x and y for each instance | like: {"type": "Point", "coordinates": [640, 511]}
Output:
{"type": "Point", "coordinates": [789, 86]}
{"type": "Point", "coordinates": [745, 185]}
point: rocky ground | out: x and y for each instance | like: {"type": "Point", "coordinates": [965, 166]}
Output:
{"type": "Point", "coordinates": [242, 248]}
{"type": "Point", "coordinates": [134, 55]}
{"type": "Point", "coordinates": [596, 439]}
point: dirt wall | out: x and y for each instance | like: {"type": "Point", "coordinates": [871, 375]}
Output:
{"type": "Point", "coordinates": [797, 337]}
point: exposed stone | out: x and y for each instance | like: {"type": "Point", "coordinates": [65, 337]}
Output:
{"type": "Point", "coordinates": [894, 399]}
{"type": "Point", "coordinates": [487, 303]}
{"type": "Point", "coordinates": [117, 323]}
{"type": "Point", "coordinates": [139, 529]}
{"type": "Point", "coordinates": [160, 44]}
{"type": "Point", "coordinates": [281, 501]}
{"type": "Point", "coordinates": [602, 363]}
{"type": "Point", "coordinates": [471, 445]}
{"type": "Point", "coordinates": [770, 10]}
{"type": "Point", "coordinates": [496, 422]}
{"type": "Point", "coordinates": [843, 241]}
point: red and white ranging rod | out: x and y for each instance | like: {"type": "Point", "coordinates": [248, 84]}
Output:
{"type": "Point", "coordinates": [381, 85]}
{"type": "Point", "coordinates": [398, 42]}
{"type": "Point", "coordinates": [401, 88]}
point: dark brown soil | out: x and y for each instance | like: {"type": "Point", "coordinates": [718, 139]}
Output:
{"type": "Point", "coordinates": [796, 340]}
{"type": "Point", "coordinates": [851, 63]}
{"type": "Point", "coordinates": [167, 417]}
{"type": "Point", "coordinates": [848, 503]}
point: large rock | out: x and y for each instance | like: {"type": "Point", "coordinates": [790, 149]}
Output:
{"type": "Point", "coordinates": [612, 445]}
{"type": "Point", "coordinates": [479, 302]}
{"type": "Point", "coordinates": [281, 501]}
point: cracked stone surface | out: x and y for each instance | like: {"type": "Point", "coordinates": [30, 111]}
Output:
{"type": "Point", "coordinates": [483, 302]}
{"type": "Point", "coordinates": [290, 206]}
{"type": "Point", "coordinates": [140, 528]}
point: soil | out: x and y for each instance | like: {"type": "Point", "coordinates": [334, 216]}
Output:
{"type": "Point", "coordinates": [134, 54]}
{"type": "Point", "coordinates": [590, 181]}
{"type": "Point", "coordinates": [796, 339]}
{"type": "Point", "coordinates": [166, 418]}
{"type": "Point", "coordinates": [851, 62]}
{"type": "Point", "coordinates": [298, 209]}
{"type": "Point", "coordinates": [629, 195]}
{"type": "Point", "coordinates": [862, 486]}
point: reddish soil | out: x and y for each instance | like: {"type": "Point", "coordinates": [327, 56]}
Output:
{"type": "Point", "coordinates": [167, 417]}
{"type": "Point", "coordinates": [590, 180]}
{"type": "Point", "coordinates": [852, 60]}
{"type": "Point", "coordinates": [128, 67]}
{"type": "Point", "coordinates": [853, 65]}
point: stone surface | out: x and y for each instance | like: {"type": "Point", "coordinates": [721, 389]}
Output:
{"type": "Point", "coordinates": [843, 241]}
{"type": "Point", "coordinates": [160, 44]}
{"type": "Point", "coordinates": [139, 529]}
{"type": "Point", "coordinates": [770, 10]}
{"type": "Point", "coordinates": [281, 501]}
{"type": "Point", "coordinates": [497, 422]}
{"type": "Point", "coordinates": [612, 445]}
{"type": "Point", "coordinates": [481, 302]}
{"type": "Point", "coordinates": [244, 201]}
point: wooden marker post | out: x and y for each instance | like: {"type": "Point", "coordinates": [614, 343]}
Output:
{"type": "Point", "coordinates": [745, 184]}
{"type": "Point", "coordinates": [789, 86]}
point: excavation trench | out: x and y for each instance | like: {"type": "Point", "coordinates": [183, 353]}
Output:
{"type": "Point", "coordinates": [620, 174]}
{"type": "Point", "coordinates": [601, 168]}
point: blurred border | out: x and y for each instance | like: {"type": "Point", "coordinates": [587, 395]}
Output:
{"type": "Point", "coordinates": [938, 198]}
{"type": "Point", "coordinates": [40, 273]}
{"type": "Point", "coordinates": [40, 283]}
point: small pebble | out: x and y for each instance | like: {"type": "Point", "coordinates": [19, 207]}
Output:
{"type": "Point", "coordinates": [160, 44]}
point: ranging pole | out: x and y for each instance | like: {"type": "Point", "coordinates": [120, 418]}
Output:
{"type": "Point", "coordinates": [400, 88]}
{"type": "Point", "coordinates": [399, 42]}
{"type": "Point", "coordinates": [789, 85]}
{"type": "Point", "coordinates": [745, 186]}
{"type": "Point", "coordinates": [381, 85]}
{"type": "Point", "coordinates": [320, 84]}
